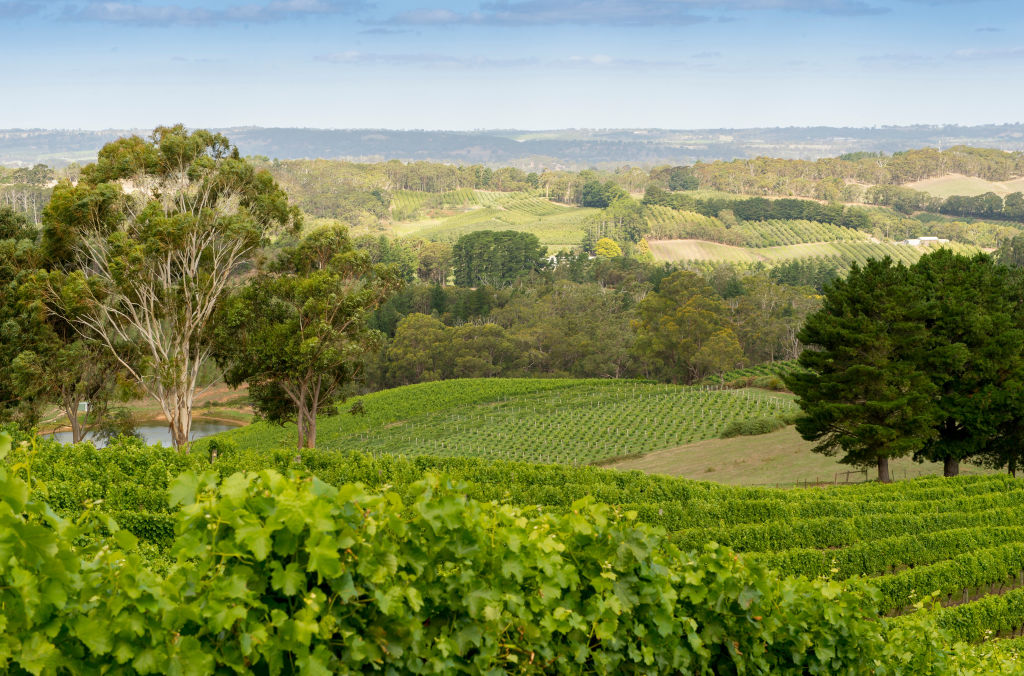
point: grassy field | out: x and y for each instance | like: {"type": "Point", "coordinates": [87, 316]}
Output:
{"type": "Point", "coordinates": [843, 253]}
{"type": "Point", "coordinates": [956, 184]}
{"type": "Point", "coordinates": [781, 457]}
{"type": "Point", "coordinates": [539, 420]}
{"type": "Point", "coordinates": [447, 216]}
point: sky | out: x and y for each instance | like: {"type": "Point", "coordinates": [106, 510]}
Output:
{"type": "Point", "coordinates": [500, 64]}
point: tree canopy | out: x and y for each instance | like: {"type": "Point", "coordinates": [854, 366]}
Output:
{"type": "Point", "coordinates": [926, 360]}
{"type": "Point", "coordinates": [297, 334]}
{"type": "Point", "coordinates": [154, 231]}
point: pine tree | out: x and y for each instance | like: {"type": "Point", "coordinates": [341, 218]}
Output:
{"type": "Point", "coordinates": [860, 393]}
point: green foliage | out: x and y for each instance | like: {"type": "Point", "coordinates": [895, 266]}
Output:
{"type": "Point", "coordinates": [924, 360]}
{"type": "Point", "coordinates": [496, 258]}
{"type": "Point", "coordinates": [273, 573]}
{"type": "Point", "coordinates": [298, 336]}
{"type": "Point", "coordinates": [859, 393]}
{"type": "Point", "coordinates": [150, 264]}
{"type": "Point", "coordinates": [683, 331]}
{"type": "Point", "coordinates": [756, 426]}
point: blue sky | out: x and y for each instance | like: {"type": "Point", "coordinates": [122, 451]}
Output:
{"type": "Point", "coordinates": [527, 64]}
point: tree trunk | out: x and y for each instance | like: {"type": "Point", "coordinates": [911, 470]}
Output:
{"type": "Point", "coordinates": [300, 422]}
{"type": "Point", "coordinates": [311, 430]}
{"type": "Point", "coordinates": [950, 466]}
{"type": "Point", "coordinates": [180, 426]}
{"type": "Point", "coordinates": [1011, 467]}
{"type": "Point", "coordinates": [71, 411]}
{"type": "Point", "coordinates": [883, 470]}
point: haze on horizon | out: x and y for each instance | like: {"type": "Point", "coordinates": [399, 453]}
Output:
{"type": "Point", "coordinates": [524, 64]}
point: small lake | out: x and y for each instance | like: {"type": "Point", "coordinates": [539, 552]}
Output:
{"type": "Point", "coordinates": [157, 433]}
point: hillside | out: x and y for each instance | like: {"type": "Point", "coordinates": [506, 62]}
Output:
{"type": "Point", "coordinates": [463, 211]}
{"type": "Point", "coordinates": [541, 420]}
{"type": "Point", "coordinates": [661, 429]}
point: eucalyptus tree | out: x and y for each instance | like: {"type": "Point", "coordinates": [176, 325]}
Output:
{"type": "Point", "coordinates": [297, 333]}
{"type": "Point", "coordinates": [152, 236]}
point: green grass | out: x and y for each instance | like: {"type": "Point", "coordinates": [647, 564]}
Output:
{"type": "Point", "coordinates": [448, 216]}
{"type": "Point", "coordinates": [780, 458]}
{"type": "Point", "coordinates": [538, 420]}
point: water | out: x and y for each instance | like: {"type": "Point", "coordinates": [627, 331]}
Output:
{"type": "Point", "coordinates": [158, 433]}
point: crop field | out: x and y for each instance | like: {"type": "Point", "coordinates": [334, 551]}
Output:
{"type": "Point", "coordinates": [955, 544]}
{"type": "Point", "coordinates": [970, 186]}
{"type": "Point", "coordinates": [668, 223]}
{"type": "Point", "coordinates": [538, 420]}
{"type": "Point", "coordinates": [959, 539]}
{"type": "Point", "coordinates": [842, 253]}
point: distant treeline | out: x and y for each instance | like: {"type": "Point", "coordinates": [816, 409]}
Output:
{"type": "Point", "coordinates": [988, 205]}
{"type": "Point", "coordinates": [761, 209]}
{"type": "Point", "coordinates": [844, 178]}
{"type": "Point", "coordinates": [364, 194]}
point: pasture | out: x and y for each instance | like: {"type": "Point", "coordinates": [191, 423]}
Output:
{"type": "Point", "coordinates": [777, 458]}
{"type": "Point", "coordinates": [447, 216]}
{"type": "Point", "coordinates": [968, 186]}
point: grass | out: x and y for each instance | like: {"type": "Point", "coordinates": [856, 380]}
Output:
{"type": "Point", "coordinates": [780, 457]}
{"type": "Point", "coordinates": [538, 420]}
{"type": "Point", "coordinates": [970, 186]}
{"type": "Point", "coordinates": [448, 216]}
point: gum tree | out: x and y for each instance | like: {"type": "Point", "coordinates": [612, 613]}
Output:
{"type": "Point", "coordinates": [153, 235]}
{"type": "Point", "coordinates": [297, 333]}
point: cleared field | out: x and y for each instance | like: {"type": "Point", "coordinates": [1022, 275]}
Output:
{"type": "Point", "coordinates": [957, 184]}
{"type": "Point", "coordinates": [448, 216]}
{"type": "Point", "coordinates": [539, 420]}
{"type": "Point", "coordinates": [843, 253]}
{"type": "Point", "coordinates": [780, 457]}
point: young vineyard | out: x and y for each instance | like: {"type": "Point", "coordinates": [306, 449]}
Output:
{"type": "Point", "coordinates": [921, 577]}
{"type": "Point", "coordinates": [563, 421]}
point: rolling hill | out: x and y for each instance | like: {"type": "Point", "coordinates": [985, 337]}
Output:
{"type": "Point", "coordinates": [657, 428]}
{"type": "Point", "coordinates": [541, 420]}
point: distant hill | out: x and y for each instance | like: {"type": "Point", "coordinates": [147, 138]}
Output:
{"type": "Point", "coordinates": [534, 150]}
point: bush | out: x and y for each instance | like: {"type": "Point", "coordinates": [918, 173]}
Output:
{"type": "Point", "coordinates": [755, 426]}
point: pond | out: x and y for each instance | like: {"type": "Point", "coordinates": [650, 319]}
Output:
{"type": "Point", "coordinates": [154, 433]}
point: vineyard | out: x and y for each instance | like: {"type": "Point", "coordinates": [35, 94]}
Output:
{"type": "Point", "coordinates": [920, 577]}
{"type": "Point", "coordinates": [668, 223]}
{"type": "Point", "coordinates": [841, 253]}
{"type": "Point", "coordinates": [562, 421]}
